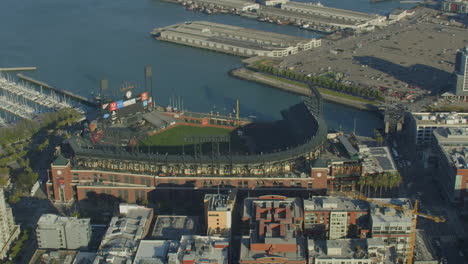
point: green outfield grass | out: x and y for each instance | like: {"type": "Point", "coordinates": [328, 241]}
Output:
{"type": "Point", "coordinates": [176, 136]}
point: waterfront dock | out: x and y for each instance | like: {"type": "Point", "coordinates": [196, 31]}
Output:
{"type": "Point", "coordinates": [246, 74]}
{"type": "Point", "coordinates": [234, 40]}
{"type": "Point", "coordinates": [305, 15]}
{"type": "Point", "coordinates": [68, 94]}
{"type": "Point", "coordinates": [18, 69]}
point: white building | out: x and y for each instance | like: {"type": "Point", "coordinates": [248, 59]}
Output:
{"type": "Point", "coordinates": [60, 232]}
{"type": "Point", "coordinates": [123, 235]}
{"type": "Point", "coordinates": [190, 249]}
{"type": "Point", "coordinates": [393, 226]}
{"type": "Point", "coordinates": [349, 251]}
{"type": "Point", "coordinates": [422, 124]}
{"type": "Point", "coordinates": [9, 231]}
{"type": "Point", "coordinates": [335, 13]}
{"type": "Point", "coordinates": [234, 40]}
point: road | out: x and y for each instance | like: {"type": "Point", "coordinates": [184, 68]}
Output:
{"type": "Point", "coordinates": [419, 183]}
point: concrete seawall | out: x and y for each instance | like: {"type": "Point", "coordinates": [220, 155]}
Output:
{"type": "Point", "coordinates": [246, 74]}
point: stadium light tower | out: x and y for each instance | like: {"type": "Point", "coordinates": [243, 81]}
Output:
{"type": "Point", "coordinates": [149, 81]}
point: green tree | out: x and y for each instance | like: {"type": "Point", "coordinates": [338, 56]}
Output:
{"type": "Point", "coordinates": [378, 137]}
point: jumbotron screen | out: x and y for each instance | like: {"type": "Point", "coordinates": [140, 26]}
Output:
{"type": "Point", "coordinates": [124, 108]}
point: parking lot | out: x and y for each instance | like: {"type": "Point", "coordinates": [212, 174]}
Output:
{"type": "Point", "coordinates": [406, 60]}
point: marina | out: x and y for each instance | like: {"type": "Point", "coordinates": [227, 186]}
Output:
{"type": "Point", "coordinates": [12, 89]}
{"type": "Point", "coordinates": [13, 105]}
{"type": "Point", "coordinates": [209, 87]}
{"type": "Point", "coordinates": [65, 93]}
{"type": "Point", "coordinates": [234, 40]}
{"type": "Point", "coordinates": [26, 102]}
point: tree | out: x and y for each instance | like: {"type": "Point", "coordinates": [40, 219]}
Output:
{"type": "Point", "coordinates": [378, 137]}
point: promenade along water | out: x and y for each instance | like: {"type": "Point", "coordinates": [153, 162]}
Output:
{"type": "Point", "coordinates": [76, 43]}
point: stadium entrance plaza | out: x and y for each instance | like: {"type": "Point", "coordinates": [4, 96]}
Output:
{"type": "Point", "coordinates": [403, 53]}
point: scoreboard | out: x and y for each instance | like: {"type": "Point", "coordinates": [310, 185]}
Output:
{"type": "Point", "coordinates": [126, 107]}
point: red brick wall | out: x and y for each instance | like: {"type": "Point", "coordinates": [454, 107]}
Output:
{"type": "Point", "coordinates": [278, 248]}
{"type": "Point", "coordinates": [464, 183]}
{"type": "Point", "coordinates": [319, 178]}
{"type": "Point", "coordinates": [61, 179]}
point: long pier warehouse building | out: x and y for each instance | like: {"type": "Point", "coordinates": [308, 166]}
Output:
{"type": "Point", "coordinates": [234, 40]}
{"type": "Point", "coordinates": [335, 13]}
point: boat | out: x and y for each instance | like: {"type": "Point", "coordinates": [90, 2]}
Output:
{"type": "Point", "coordinates": [305, 26]}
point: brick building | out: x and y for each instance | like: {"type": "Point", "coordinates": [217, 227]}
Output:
{"type": "Point", "coordinates": [451, 145]}
{"type": "Point", "coordinates": [274, 227]}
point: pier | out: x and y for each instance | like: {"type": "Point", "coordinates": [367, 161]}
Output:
{"type": "Point", "coordinates": [68, 94]}
{"type": "Point", "coordinates": [234, 40]}
{"type": "Point", "coordinates": [305, 15]}
{"type": "Point", "coordinates": [19, 69]}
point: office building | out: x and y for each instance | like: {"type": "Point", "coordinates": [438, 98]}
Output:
{"type": "Point", "coordinates": [461, 72]}
{"type": "Point", "coordinates": [218, 213]}
{"type": "Point", "coordinates": [9, 231]}
{"type": "Point", "coordinates": [60, 232]}
{"type": "Point", "coordinates": [421, 125]}
{"type": "Point", "coordinates": [332, 217]}
{"type": "Point", "coordinates": [393, 226]}
{"type": "Point", "coordinates": [455, 6]}
{"type": "Point", "coordinates": [274, 227]}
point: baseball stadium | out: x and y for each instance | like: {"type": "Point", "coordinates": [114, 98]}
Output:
{"type": "Point", "coordinates": [135, 147]}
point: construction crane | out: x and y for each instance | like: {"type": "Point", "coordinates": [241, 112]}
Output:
{"type": "Point", "coordinates": [414, 212]}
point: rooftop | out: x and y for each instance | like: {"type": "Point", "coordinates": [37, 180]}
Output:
{"type": "Point", "coordinates": [120, 241]}
{"type": "Point", "coordinates": [441, 118]}
{"type": "Point", "coordinates": [246, 253]}
{"type": "Point", "coordinates": [363, 249]}
{"type": "Point", "coordinates": [271, 201]}
{"type": "Point", "coordinates": [334, 203]}
{"type": "Point", "coordinates": [52, 220]}
{"type": "Point", "coordinates": [457, 155]}
{"type": "Point", "coordinates": [60, 161]}
{"type": "Point", "coordinates": [451, 135]}
{"type": "Point", "coordinates": [381, 214]}
{"type": "Point", "coordinates": [339, 248]}
{"type": "Point", "coordinates": [155, 251]}
{"type": "Point", "coordinates": [320, 9]}
{"type": "Point", "coordinates": [218, 202]}
{"type": "Point", "coordinates": [274, 220]}
{"type": "Point", "coordinates": [242, 36]}
{"type": "Point", "coordinates": [203, 249]}
{"type": "Point", "coordinates": [376, 159]}
{"type": "Point", "coordinates": [173, 227]}
{"type": "Point", "coordinates": [42, 256]}
{"type": "Point", "coordinates": [228, 3]}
